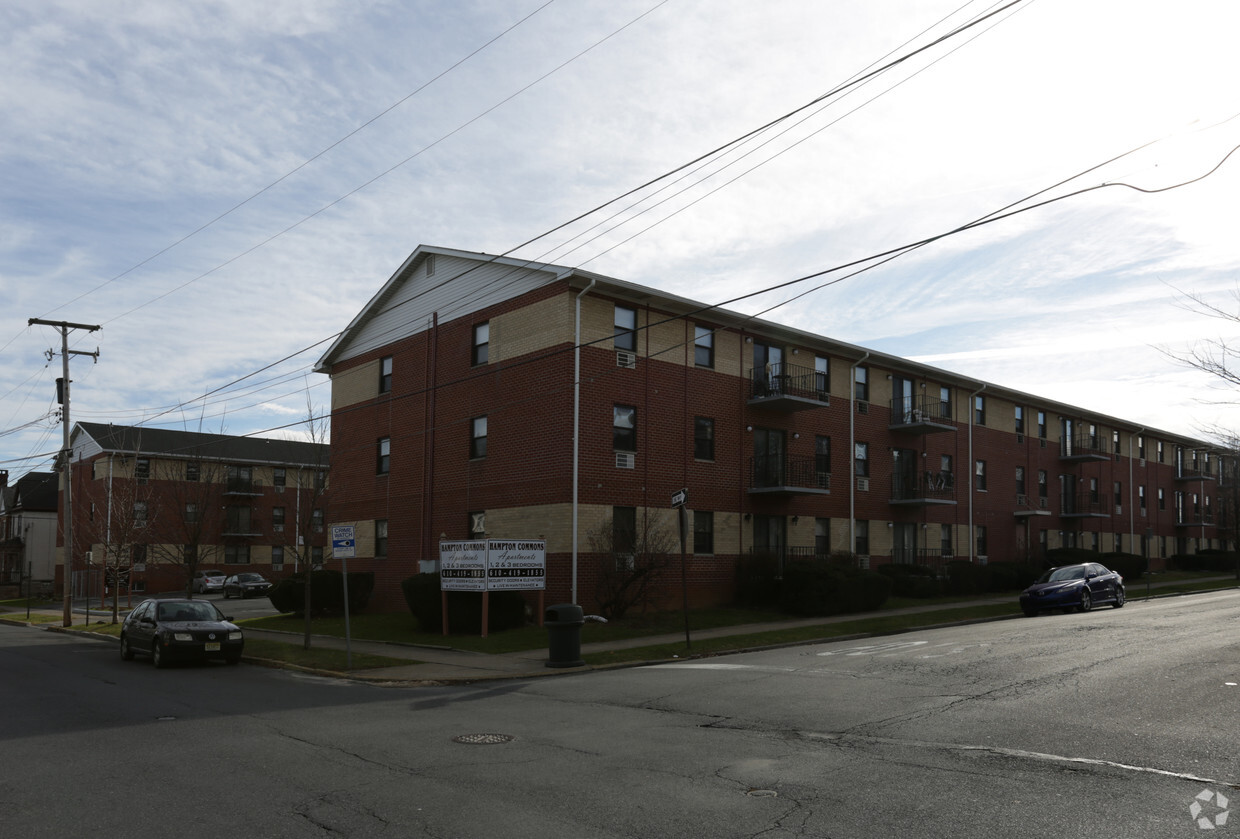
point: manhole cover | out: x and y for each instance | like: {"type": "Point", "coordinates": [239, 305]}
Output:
{"type": "Point", "coordinates": [762, 793]}
{"type": "Point", "coordinates": [482, 739]}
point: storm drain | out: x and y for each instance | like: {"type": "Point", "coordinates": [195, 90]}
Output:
{"type": "Point", "coordinates": [482, 739]}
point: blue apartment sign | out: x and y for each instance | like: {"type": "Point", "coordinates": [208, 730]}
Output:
{"type": "Point", "coordinates": [344, 542]}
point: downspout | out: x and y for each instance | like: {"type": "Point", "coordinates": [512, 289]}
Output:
{"type": "Point", "coordinates": [1132, 511]}
{"type": "Point", "coordinates": [971, 535]}
{"type": "Point", "coordinates": [852, 450]}
{"type": "Point", "coordinates": [577, 422]}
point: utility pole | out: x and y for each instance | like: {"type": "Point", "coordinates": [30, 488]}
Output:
{"type": "Point", "coordinates": [65, 458]}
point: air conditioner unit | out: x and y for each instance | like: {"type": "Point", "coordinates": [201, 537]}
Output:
{"type": "Point", "coordinates": [626, 359]}
{"type": "Point", "coordinates": [824, 397]}
{"type": "Point", "coordinates": [824, 480]}
{"type": "Point", "coordinates": [1042, 503]}
{"type": "Point", "coordinates": [863, 407]}
{"type": "Point", "coordinates": [1021, 500]}
{"type": "Point", "coordinates": [863, 484]}
{"type": "Point", "coordinates": [1020, 438]}
{"type": "Point", "coordinates": [1141, 462]}
{"type": "Point", "coordinates": [1119, 510]}
{"type": "Point", "coordinates": [277, 528]}
{"type": "Point", "coordinates": [863, 562]}
{"type": "Point", "coordinates": [1042, 443]}
{"type": "Point", "coordinates": [626, 460]}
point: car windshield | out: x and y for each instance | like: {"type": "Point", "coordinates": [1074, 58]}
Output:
{"type": "Point", "coordinates": [187, 612]}
{"type": "Point", "coordinates": [1059, 575]}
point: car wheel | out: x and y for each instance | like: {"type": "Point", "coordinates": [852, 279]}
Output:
{"type": "Point", "coordinates": [1120, 598]}
{"type": "Point", "coordinates": [1031, 613]}
{"type": "Point", "coordinates": [126, 650]}
{"type": "Point", "coordinates": [157, 657]}
{"type": "Point", "coordinates": [1087, 602]}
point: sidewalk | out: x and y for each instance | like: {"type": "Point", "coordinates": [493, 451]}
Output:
{"type": "Point", "coordinates": [443, 665]}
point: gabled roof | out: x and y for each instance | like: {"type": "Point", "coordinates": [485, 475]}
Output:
{"type": "Point", "coordinates": [136, 440]}
{"type": "Point", "coordinates": [33, 492]}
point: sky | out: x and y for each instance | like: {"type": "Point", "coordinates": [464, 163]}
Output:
{"type": "Point", "coordinates": [221, 186]}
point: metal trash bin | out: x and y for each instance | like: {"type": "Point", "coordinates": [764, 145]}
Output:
{"type": "Point", "coordinates": [564, 623]}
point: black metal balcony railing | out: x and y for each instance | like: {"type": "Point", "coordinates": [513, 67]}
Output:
{"type": "Point", "coordinates": [774, 473]}
{"type": "Point", "coordinates": [1193, 518]}
{"type": "Point", "coordinates": [1186, 473]}
{"type": "Point", "coordinates": [1084, 447]}
{"type": "Point", "coordinates": [776, 558]}
{"type": "Point", "coordinates": [923, 488]}
{"type": "Point", "coordinates": [1083, 505]}
{"type": "Point", "coordinates": [922, 414]}
{"type": "Point", "coordinates": [242, 486]}
{"type": "Point", "coordinates": [788, 384]}
{"type": "Point", "coordinates": [936, 558]}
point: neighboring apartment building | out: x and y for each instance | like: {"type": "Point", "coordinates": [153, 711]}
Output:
{"type": "Point", "coordinates": [455, 409]}
{"type": "Point", "coordinates": [150, 505]}
{"type": "Point", "coordinates": [28, 533]}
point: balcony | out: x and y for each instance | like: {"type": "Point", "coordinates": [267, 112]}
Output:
{"type": "Point", "coordinates": [1083, 448]}
{"type": "Point", "coordinates": [1187, 474]}
{"type": "Point", "coordinates": [1084, 506]}
{"type": "Point", "coordinates": [918, 489]}
{"type": "Point", "coordinates": [242, 486]}
{"type": "Point", "coordinates": [773, 475]}
{"type": "Point", "coordinates": [1194, 518]}
{"type": "Point", "coordinates": [787, 387]}
{"type": "Point", "coordinates": [920, 415]}
{"type": "Point", "coordinates": [240, 525]}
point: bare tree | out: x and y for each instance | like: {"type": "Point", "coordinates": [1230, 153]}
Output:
{"type": "Point", "coordinates": [122, 522]}
{"type": "Point", "coordinates": [310, 512]}
{"type": "Point", "coordinates": [635, 549]}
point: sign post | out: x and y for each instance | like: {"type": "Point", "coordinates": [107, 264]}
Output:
{"type": "Point", "coordinates": [679, 499]}
{"type": "Point", "coordinates": [344, 546]}
{"type": "Point", "coordinates": [486, 565]}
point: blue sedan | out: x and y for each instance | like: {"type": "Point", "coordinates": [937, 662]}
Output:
{"type": "Point", "coordinates": [1070, 587]}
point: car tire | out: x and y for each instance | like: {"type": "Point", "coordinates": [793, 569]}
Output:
{"type": "Point", "coordinates": [1087, 601]}
{"type": "Point", "coordinates": [157, 657]}
{"type": "Point", "coordinates": [126, 650]}
{"type": "Point", "coordinates": [1031, 613]}
{"type": "Point", "coordinates": [1120, 598]}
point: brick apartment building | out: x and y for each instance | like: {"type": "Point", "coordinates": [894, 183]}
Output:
{"type": "Point", "coordinates": [455, 404]}
{"type": "Point", "coordinates": [146, 499]}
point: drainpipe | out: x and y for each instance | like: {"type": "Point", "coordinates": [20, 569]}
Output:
{"type": "Point", "coordinates": [1132, 511]}
{"type": "Point", "coordinates": [971, 535]}
{"type": "Point", "coordinates": [577, 423]}
{"type": "Point", "coordinates": [852, 449]}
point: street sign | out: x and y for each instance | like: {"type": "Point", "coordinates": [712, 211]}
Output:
{"type": "Point", "coordinates": [344, 542]}
{"type": "Point", "coordinates": [680, 497]}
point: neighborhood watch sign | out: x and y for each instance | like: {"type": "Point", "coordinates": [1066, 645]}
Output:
{"type": "Point", "coordinates": [493, 565]}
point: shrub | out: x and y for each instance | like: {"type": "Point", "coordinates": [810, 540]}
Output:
{"type": "Point", "coordinates": [817, 588]}
{"type": "Point", "coordinates": [912, 580]}
{"type": "Point", "coordinates": [1206, 560]}
{"type": "Point", "coordinates": [326, 592]}
{"type": "Point", "coordinates": [422, 595]}
{"type": "Point", "coordinates": [1129, 566]}
{"type": "Point", "coordinates": [1010, 576]}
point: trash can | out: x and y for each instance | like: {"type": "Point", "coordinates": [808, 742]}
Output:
{"type": "Point", "coordinates": [564, 624]}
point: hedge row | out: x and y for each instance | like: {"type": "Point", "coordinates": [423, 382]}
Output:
{"type": "Point", "coordinates": [422, 595]}
{"type": "Point", "coordinates": [326, 592]}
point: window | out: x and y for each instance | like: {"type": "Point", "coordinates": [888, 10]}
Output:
{"type": "Point", "coordinates": [139, 514]}
{"type": "Point", "coordinates": [1020, 420]}
{"type": "Point", "coordinates": [430, 265]}
{"type": "Point", "coordinates": [237, 520]}
{"type": "Point", "coordinates": [623, 531]}
{"type": "Point", "coordinates": [1158, 447]}
{"type": "Point", "coordinates": [945, 540]}
{"type": "Point", "coordinates": [626, 328]}
{"type": "Point", "coordinates": [277, 518]}
{"type": "Point", "coordinates": [703, 346]}
{"type": "Point", "coordinates": [478, 438]}
{"type": "Point", "coordinates": [822, 375]}
{"type": "Point", "coordinates": [861, 460]}
{"type": "Point", "coordinates": [1020, 480]}
{"type": "Point", "coordinates": [384, 455]}
{"type": "Point", "coordinates": [822, 456]}
{"type": "Point", "coordinates": [1042, 484]}
{"type": "Point", "coordinates": [861, 534]}
{"type": "Point", "coordinates": [981, 539]}
{"type": "Point", "coordinates": [703, 532]}
{"type": "Point", "coordinates": [478, 524]}
{"type": "Point", "coordinates": [316, 557]}
{"type": "Point", "coordinates": [1141, 498]}
{"type": "Point", "coordinates": [381, 537]}
{"type": "Point", "coordinates": [861, 384]}
{"type": "Point", "coordinates": [1042, 424]}
{"type": "Point", "coordinates": [192, 471]}
{"type": "Point", "coordinates": [822, 537]}
{"type": "Point", "coordinates": [1119, 494]}
{"type": "Point", "coordinates": [482, 344]}
{"type": "Point", "coordinates": [277, 556]}
{"type": "Point", "coordinates": [1162, 499]}
{"type": "Point", "coordinates": [191, 513]}
{"type": "Point", "coordinates": [142, 469]}
{"type": "Point", "coordinates": [138, 555]}
{"type": "Point", "coordinates": [979, 472]}
{"type": "Point", "coordinates": [385, 374]}
{"type": "Point", "coordinates": [236, 554]}
{"type": "Point", "coordinates": [979, 410]}
{"type": "Point", "coordinates": [278, 478]}
{"type": "Point", "coordinates": [1115, 447]}
{"type": "Point", "coordinates": [1141, 446]}
{"type": "Point", "coordinates": [624, 428]}
{"type": "Point", "coordinates": [703, 438]}
{"type": "Point", "coordinates": [945, 402]}
{"type": "Point", "coordinates": [316, 519]}
{"type": "Point", "coordinates": [320, 480]}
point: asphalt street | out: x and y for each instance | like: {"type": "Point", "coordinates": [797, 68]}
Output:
{"type": "Point", "coordinates": [1112, 723]}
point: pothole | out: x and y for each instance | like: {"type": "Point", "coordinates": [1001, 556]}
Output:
{"type": "Point", "coordinates": [483, 739]}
